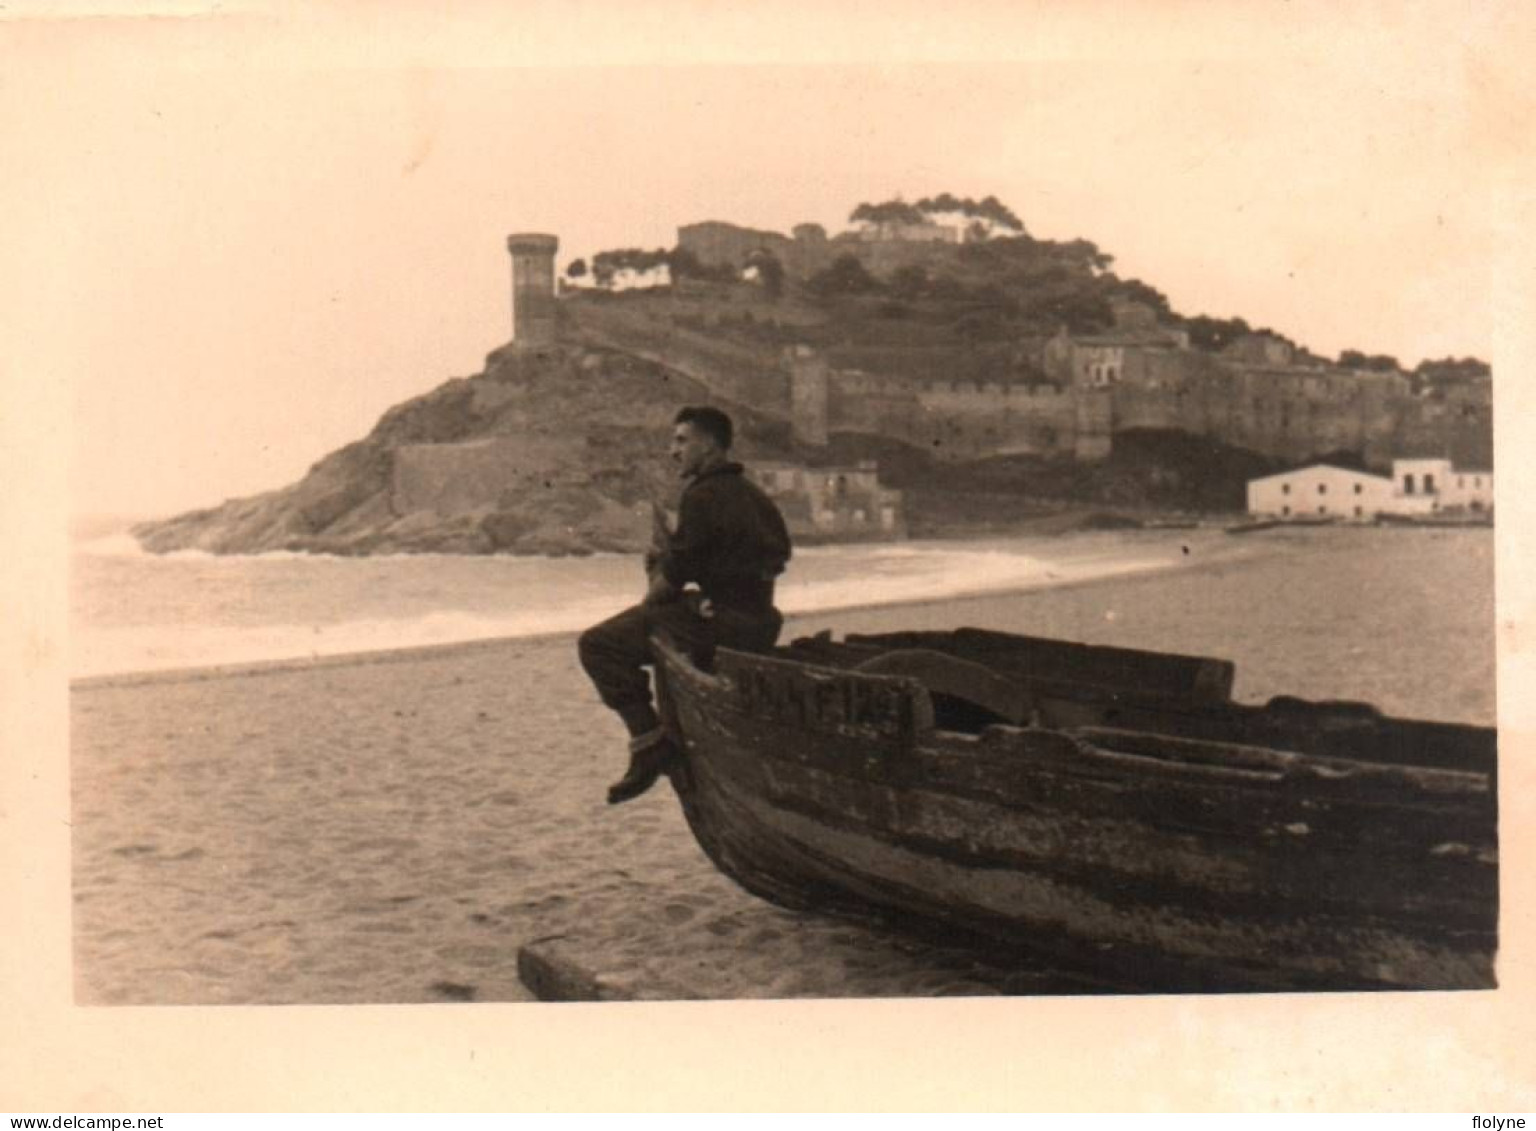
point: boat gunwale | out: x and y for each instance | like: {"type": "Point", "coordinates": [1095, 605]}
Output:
{"type": "Point", "coordinates": [1260, 765]}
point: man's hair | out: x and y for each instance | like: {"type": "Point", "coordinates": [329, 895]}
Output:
{"type": "Point", "coordinates": [710, 421]}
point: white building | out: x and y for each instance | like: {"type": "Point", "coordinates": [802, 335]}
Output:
{"type": "Point", "coordinates": [1320, 491]}
{"type": "Point", "coordinates": [1448, 488]}
{"type": "Point", "coordinates": [1417, 486]}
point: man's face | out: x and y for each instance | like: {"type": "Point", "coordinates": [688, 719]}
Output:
{"type": "Point", "coordinates": [691, 449]}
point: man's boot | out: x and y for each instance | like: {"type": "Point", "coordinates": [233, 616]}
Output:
{"type": "Point", "coordinates": [649, 755]}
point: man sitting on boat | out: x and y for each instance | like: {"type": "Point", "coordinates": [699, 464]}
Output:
{"type": "Point", "coordinates": [731, 542]}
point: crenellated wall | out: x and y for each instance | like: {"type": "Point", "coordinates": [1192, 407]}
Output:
{"type": "Point", "coordinates": [954, 419]}
{"type": "Point", "coordinates": [1286, 411]}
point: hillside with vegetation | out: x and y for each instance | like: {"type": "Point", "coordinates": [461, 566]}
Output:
{"type": "Point", "coordinates": [680, 331]}
{"type": "Point", "coordinates": [1001, 284]}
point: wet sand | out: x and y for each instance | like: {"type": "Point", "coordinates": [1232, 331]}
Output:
{"type": "Point", "coordinates": [392, 828]}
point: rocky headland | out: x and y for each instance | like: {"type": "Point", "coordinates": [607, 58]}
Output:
{"type": "Point", "coordinates": [575, 438]}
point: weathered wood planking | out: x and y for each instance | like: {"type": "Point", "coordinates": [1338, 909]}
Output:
{"type": "Point", "coordinates": [1155, 861]}
{"type": "Point", "coordinates": [1175, 695]}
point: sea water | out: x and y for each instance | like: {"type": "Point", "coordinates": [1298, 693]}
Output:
{"type": "Point", "coordinates": [132, 611]}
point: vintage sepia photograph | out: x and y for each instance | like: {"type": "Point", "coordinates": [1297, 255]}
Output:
{"type": "Point", "coordinates": [700, 528]}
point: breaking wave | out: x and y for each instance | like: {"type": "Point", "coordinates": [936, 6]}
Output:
{"type": "Point", "coordinates": [136, 612]}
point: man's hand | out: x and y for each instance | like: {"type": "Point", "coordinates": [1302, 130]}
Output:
{"type": "Point", "coordinates": [658, 590]}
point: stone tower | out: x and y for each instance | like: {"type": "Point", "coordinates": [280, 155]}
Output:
{"type": "Point", "coordinates": [533, 288]}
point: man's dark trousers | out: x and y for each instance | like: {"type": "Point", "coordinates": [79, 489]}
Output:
{"type": "Point", "coordinates": [615, 652]}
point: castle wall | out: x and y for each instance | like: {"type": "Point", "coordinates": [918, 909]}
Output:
{"type": "Point", "coordinates": [972, 420]}
{"type": "Point", "coordinates": [802, 258]}
{"type": "Point", "coordinates": [1169, 389]}
{"type": "Point", "coordinates": [713, 242]}
{"type": "Point", "coordinates": [1297, 413]}
{"type": "Point", "coordinates": [698, 306]}
{"type": "Point", "coordinates": [729, 370]}
{"type": "Point", "coordinates": [954, 420]}
{"type": "Point", "coordinates": [1094, 424]}
{"type": "Point", "coordinates": [1286, 412]}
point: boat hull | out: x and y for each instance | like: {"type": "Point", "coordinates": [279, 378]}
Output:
{"type": "Point", "coordinates": [1142, 863]}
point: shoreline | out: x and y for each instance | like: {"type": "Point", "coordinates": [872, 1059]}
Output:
{"type": "Point", "coordinates": [448, 649]}
{"type": "Point", "coordinates": [392, 827]}
{"type": "Point", "coordinates": [1056, 519]}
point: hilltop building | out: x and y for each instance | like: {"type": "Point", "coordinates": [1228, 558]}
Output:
{"type": "Point", "coordinates": [715, 243]}
{"type": "Point", "coordinates": [881, 248]}
{"type": "Point", "coordinates": [925, 231]}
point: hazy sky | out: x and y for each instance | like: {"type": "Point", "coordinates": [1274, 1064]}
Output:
{"type": "Point", "coordinates": [265, 234]}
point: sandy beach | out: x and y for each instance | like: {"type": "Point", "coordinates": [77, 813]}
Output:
{"type": "Point", "coordinates": [392, 827]}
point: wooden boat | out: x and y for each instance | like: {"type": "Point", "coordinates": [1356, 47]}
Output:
{"type": "Point", "coordinates": [1440, 519]}
{"type": "Point", "coordinates": [1112, 810]}
{"type": "Point", "coordinates": [1256, 525]}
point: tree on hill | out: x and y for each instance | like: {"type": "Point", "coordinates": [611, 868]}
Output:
{"type": "Point", "coordinates": [1452, 369]}
{"type": "Point", "coordinates": [993, 296]}
{"type": "Point", "coordinates": [984, 324]}
{"type": "Point", "coordinates": [989, 209]}
{"type": "Point", "coordinates": [887, 212]}
{"type": "Point", "coordinates": [1375, 363]}
{"type": "Point", "coordinates": [846, 276]}
{"type": "Point", "coordinates": [911, 281]}
{"type": "Point", "coordinates": [577, 269]}
{"type": "Point", "coordinates": [1023, 256]}
{"type": "Point", "coordinates": [683, 264]}
{"type": "Point", "coordinates": [1134, 290]}
{"type": "Point", "coordinates": [1081, 307]}
{"type": "Point", "coordinates": [946, 288]}
{"type": "Point", "coordinates": [1082, 255]}
{"type": "Point", "coordinates": [1215, 334]}
{"type": "Point", "coordinates": [607, 264]}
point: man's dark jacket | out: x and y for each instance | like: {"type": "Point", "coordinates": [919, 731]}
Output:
{"type": "Point", "coordinates": [730, 540]}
